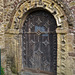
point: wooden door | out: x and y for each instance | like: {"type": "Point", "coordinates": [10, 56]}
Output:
{"type": "Point", "coordinates": [39, 44]}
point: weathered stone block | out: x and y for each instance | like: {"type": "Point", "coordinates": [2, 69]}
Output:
{"type": "Point", "coordinates": [2, 42]}
{"type": "Point", "coordinates": [7, 11]}
{"type": "Point", "coordinates": [70, 38]}
{"type": "Point", "coordinates": [72, 54]}
{"type": "Point", "coordinates": [72, 3]}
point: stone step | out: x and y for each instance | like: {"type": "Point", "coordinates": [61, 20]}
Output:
{"type": "Point", "coordinates": [30, 73]}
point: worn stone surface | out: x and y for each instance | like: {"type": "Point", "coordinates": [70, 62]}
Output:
{"type": "Point", "coordinates": [12, 11]}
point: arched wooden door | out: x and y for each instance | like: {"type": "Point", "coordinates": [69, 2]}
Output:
{"type": "Point", "coordinates": [39, 44]}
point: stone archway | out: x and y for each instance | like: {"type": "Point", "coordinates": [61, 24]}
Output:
{"type": "Point", "coordinates": [15, 31]}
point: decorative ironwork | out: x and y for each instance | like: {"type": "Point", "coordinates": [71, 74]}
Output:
{"type": "Point", "coordinates": [46, 65]}
{"type": "Point", "coordinates": [39, 41]}
{"type": "Point", "coordinates": [38, 21]}
{"type": "Point", "coordinates": [45, 42]}
{"type": "Point", "coordinates": [47, 24]}
{"type": "Point", "coordinates": [32, 42]}
{"type": "Point", "coordinates": [38, 32]}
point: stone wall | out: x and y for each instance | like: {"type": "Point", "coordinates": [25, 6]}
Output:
{"type": "Point", "coordinates": [7, 11]}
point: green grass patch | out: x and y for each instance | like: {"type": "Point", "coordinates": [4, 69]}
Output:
{"type": "Point", "coordinates": [2, 71]}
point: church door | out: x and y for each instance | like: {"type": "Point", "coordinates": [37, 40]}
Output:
{"type": "Point", "coordinates": [39, 44]}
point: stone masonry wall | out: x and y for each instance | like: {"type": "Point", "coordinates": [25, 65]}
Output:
{"type": "Point", "coordinates": [7, 11]}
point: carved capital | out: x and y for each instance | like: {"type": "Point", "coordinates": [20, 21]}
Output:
{"type": "Point", "coordinates": [62, 30]}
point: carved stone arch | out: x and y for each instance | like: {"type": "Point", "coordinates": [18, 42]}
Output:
{"type": "Point", "coordinates": [49, 5]}
{"type": "Point", "coordinates": [62, 30]}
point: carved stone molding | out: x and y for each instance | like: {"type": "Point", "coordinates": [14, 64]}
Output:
{"type": "Point", "coordinates": [62, 29]}
{"type": "Point", "coordinates": [50, 5]}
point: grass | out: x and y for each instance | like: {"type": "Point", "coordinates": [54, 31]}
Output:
{"type": "Point", "coordinates": [2, 71]}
